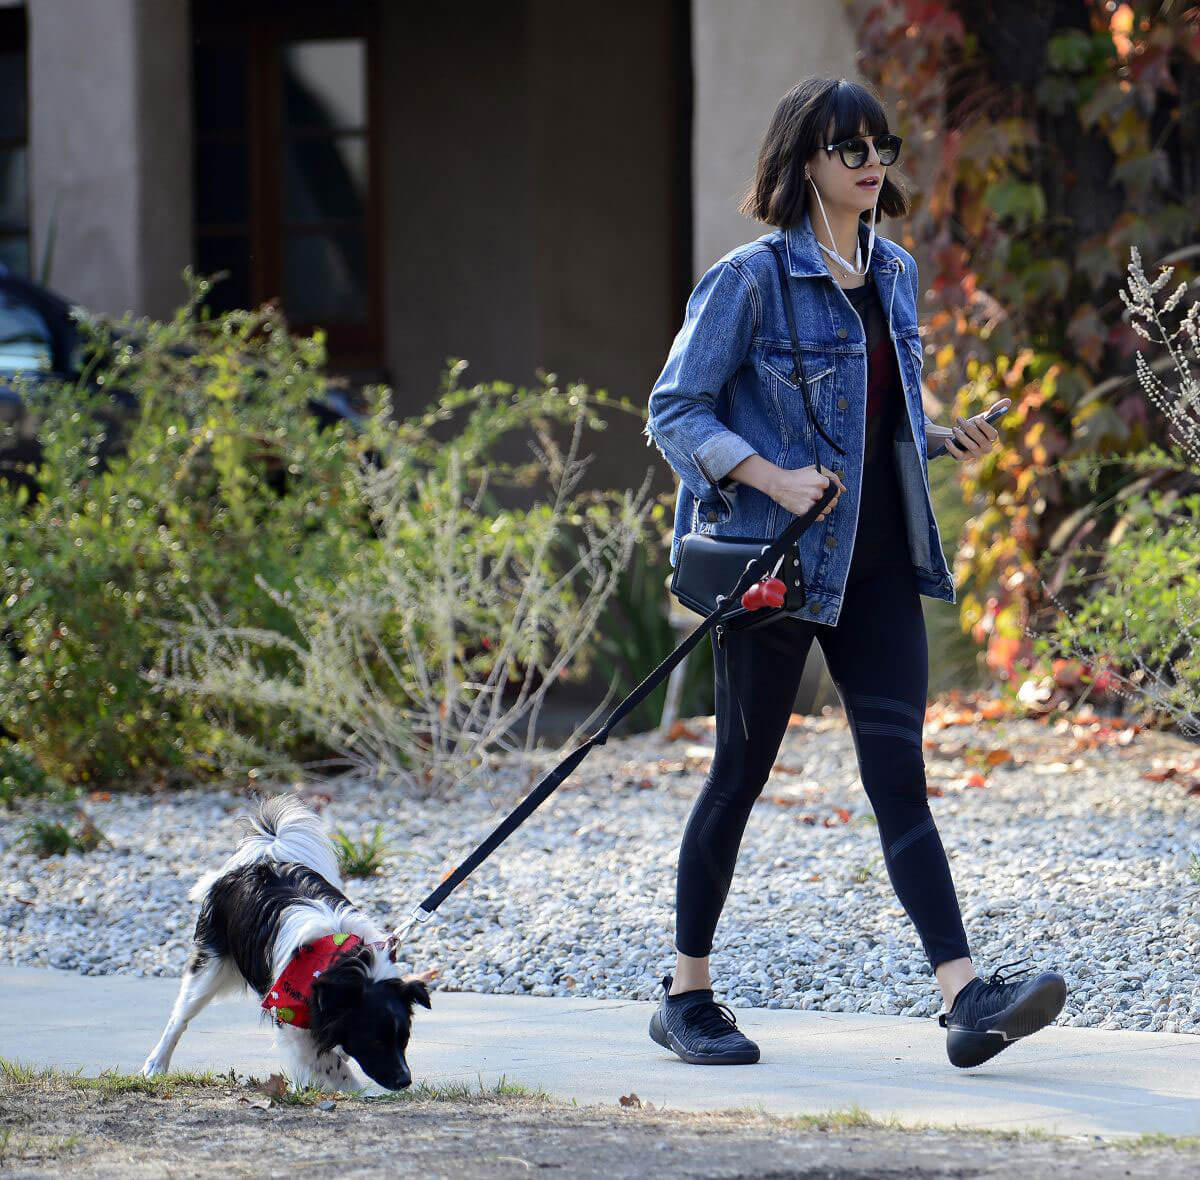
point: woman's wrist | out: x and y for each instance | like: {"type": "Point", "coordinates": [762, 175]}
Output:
{"type": "Point", "coordinates": [755, 472]}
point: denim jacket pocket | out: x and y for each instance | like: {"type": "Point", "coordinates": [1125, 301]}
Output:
{"type": "Point", "coordinates": [787, 395]}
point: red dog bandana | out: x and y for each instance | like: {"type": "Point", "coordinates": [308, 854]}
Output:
{"type": "Point", "coordinates": [289, 998]}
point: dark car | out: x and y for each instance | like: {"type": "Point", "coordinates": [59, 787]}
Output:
{"type": "Point", "coordinates": [39, 340]}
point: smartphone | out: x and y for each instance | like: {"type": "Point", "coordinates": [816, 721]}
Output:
{"type": "Point", "coordinates": [989, 418]}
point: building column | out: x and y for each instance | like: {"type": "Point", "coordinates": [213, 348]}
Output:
{"type": "Point", "coordinates": [745, 57]}
{"type": "Point", "coordinates": [110, 150]}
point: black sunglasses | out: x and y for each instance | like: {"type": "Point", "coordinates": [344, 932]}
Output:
{"type": "Point", "coordinates": [855, 150]}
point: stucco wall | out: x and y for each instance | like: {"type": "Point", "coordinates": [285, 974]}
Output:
{"type": "Point", "coordinates": [110, 150]}
{"type": "Point", "coordinates": [530, 200]}
{"type": "Point", "coordinates": [746, 57]}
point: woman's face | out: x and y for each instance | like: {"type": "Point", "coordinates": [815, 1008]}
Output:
{"type": "Point", "coordinates": [839, 186]}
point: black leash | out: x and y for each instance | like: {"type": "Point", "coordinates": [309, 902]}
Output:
{"type": "Point", "coordinates": [754, 570]}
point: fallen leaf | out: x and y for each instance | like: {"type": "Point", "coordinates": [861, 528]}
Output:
{"type": "Point", "coordinates": [840, 816]}
{"type": "Point", "coordinates": [630, 1099]}
{"type": "Point", "coordinates": [976, 780]}
{"type": "Point", "coordinates": [274, 1087]}
{"type": "Point", "coordinates": [426, 976]}
{"type": "Point", "coordinates": [933, 792]}
{"type": "Point", "coordinates": [992, 709]}
{"type": "Point", "coordinates": [680, 730]}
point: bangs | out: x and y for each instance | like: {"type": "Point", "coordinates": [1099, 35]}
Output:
{"type": "Point", "coordinates": [852, 108]}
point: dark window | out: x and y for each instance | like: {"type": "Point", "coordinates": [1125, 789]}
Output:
{"type": "Point", "coordinates": [286, 164]}
{"type": "Point", "coordinates": [14, 142]}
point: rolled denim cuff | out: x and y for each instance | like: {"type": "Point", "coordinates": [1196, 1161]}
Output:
{"type": "Point", "coordinates": [720, 454]}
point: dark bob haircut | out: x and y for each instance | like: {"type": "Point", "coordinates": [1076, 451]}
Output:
{"type": "Point", "coordinates": [797, 131]}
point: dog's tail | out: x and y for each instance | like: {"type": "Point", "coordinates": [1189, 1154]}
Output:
{"type": "Point", "coordinates": [282, 829]}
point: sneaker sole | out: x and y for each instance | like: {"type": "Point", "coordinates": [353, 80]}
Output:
{"type": "Point", "coordinates": [669, 1041]}
{"type": "Point", "coordinates": [1036, 1009]}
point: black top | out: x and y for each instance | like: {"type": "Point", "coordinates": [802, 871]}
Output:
{"type": "Point", "coordinates": [881, 539]}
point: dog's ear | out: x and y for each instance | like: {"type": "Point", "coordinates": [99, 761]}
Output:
{"type": "Point", "coordinates": [413, 991]}
{"type": "Point", "coordinates": [339, 988]}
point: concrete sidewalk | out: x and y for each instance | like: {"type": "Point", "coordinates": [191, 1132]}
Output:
{"type": "Point", "coordinates": [1062, 1080]}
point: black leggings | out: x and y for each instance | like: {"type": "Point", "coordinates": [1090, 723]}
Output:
{"type": "Point", "coordinates": [879, 661]}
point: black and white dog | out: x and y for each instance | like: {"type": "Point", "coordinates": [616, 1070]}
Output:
{"type": "Point", "coordinates": [274, 919]}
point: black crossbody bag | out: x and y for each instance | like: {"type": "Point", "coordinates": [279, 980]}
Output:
{"type": "Point", "coordinates": [710, 571]}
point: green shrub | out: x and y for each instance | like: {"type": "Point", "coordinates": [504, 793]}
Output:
{"type": "Point", "coordinates": [360, 858]}
{"type": "Point", "coordinates": [21, 777]}
{"type": "Point", "coordinates": [238, 589]}
{"type": "Point", "coordinates": [225, 483]}
{"type": "Point", "coordinates": [45, 837]}
{"type": "Point", "coordinates": [1128, 558]}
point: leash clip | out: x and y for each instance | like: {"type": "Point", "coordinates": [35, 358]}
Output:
{"type": "Point", "coordinates": [418, 915]}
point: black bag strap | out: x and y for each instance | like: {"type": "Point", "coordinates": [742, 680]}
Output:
{"type": "Point", "coordinates": [755, 569]}
{"type": "Point", "coordinates": [797, 369]}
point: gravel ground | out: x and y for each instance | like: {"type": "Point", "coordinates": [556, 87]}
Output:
{"type": "Point", "coordinates": [1062, 851]}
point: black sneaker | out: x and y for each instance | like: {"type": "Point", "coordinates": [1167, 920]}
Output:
{"type": "Point", "coordinates": [987, 1017]}
{"type": "Point", "coordinates": [699, 1029]}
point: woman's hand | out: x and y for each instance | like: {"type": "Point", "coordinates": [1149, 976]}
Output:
{"type": "Point", "coordinates": [973, 437]}
{"type": "Point", "coordinates": [797, 489]}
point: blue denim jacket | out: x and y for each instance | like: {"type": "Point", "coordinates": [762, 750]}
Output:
{"type": "Point", "coordinates": [727, 391]}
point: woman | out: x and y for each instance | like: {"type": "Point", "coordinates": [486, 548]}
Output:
{"type": "Point", "coordinates": [749, 426]}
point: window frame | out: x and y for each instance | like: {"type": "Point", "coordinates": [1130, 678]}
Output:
{"type": "Point", "coordinates": [14, 38]}
{"type": "Point", "coordinates": [261, 30]}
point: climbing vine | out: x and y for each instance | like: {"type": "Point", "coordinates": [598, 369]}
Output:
{"type": "Point", "coordinates": [1042, 144]}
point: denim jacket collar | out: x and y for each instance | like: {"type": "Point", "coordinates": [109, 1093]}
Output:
{"type": "Point", "coordinates": [805, 259]}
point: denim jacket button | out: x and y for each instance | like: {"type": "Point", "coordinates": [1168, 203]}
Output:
{"type": "Point", "coordinates": [842, 333]}
{"type": "Point", "coordinates": [710, 515]}
{"type": "Point", "coordinates": [842, 403]}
